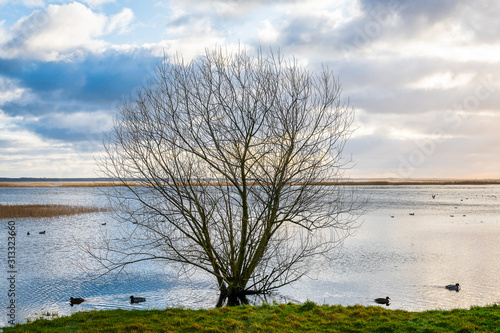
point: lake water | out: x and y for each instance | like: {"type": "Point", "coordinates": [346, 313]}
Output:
{"type": "Point", "coordinates": [410, 258]}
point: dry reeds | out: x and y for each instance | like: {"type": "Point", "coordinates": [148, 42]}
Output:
{"type": "Point", "coordinates": [59, 184]}
{"type": "Point", "coordinates": [24, 211]}
{"type": "Point", "coordinates": [320, 182]}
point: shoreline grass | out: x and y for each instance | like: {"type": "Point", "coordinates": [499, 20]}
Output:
{"type": "Point", "coordinates": [307, 317]}
{"type": "Point", "coordinates": [40, 211]}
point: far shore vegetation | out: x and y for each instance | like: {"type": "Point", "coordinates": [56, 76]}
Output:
{"type": "Point", "coordinates": [380, 182]}
{"type": "Point", "coordinates": [37, 210]}
{"type": "Point", "coordinates": [306, 317]}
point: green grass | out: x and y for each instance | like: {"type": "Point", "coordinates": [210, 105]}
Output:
{"type": "Point", "coordinates": [307, 317]}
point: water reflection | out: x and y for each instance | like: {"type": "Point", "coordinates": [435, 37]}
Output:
{"type": "Point", "coordinates": [410, 258]}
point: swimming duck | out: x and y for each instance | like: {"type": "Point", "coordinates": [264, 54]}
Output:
{"type": "Point", "coordinates": [455, 287]}
{"type": "Point", "coordinates": [383, 300]}
{"type": "Point", "coordinates": [137, 299]}
{"type": "Point", "coordinates": [76, 300]}
{"type": "Point", "coordinates": [42, 232]}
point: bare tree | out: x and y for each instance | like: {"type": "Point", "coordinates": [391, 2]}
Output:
{"type": "Point", "coordinates": [237, 159]}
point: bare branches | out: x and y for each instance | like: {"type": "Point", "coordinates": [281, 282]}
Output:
{"type": "Point", "coordinates": [231, 151]}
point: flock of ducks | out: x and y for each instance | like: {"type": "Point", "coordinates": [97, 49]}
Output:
{"type": "Point", "coordinates": [387, 300]}
{"type": "Point", "coordinates": [433, 197]}
{"type": "Point", "coordinates": [41, 233]}
{"type": "Point", "coordinates": [79, 300]}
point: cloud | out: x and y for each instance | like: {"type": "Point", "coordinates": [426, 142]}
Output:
{"type": "Point", "coordinates": [121, 21]}
{"type": "Point", "coordinates": [414, 71]}
{"type": "Point", "coordinates": [268, 34]}
{"type": "Point", "coordinates": [223, 9]}
{"type": "Point", "coordinates": [70, 127]}
{"type": "Point", "coordinates": [10, 91]}
{"type": "Point", "coordinates": [34, 155]}
{"type": "Point", "coordinates": [95, 83]}
{"type": "Point", "coordinates": [97, 3]}
{"type": "Point", "coordinates": [41, 3]}
{"type": "Point", "coordinates": [27, 3]}
{"type": "Point", "coordinates": [63, 32]}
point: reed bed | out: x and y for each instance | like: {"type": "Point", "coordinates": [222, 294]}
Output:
{"type": "Point", "coordinates": [59, 184]}
{"type": "Point", "coordinates": [35, 211]}
{"type": "Point", "coordinates": [322, 182]}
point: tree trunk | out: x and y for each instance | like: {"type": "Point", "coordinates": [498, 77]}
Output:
{"type": "Point", "coordinates": [234, 296]}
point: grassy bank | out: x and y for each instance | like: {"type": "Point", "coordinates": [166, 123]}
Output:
{"type": "Point", "coordinates": [307, 317]}
{"type": "Point", "coordinates": [25, 211]}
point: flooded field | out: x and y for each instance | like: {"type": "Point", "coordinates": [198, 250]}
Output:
{"type": "Point", "coordinates": [414, 240]}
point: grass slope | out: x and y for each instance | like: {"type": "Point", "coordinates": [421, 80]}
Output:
{"type": "Point", "coordinates": [307, 317]}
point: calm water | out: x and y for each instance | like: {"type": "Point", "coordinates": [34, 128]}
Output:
{"type": "Point", "coordinates": [452, 238]}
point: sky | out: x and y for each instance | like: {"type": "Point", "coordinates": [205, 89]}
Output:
{"type": "Point", "coordinates": [422, 76]}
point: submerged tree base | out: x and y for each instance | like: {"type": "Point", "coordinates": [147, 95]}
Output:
{"type": "Point", "coordinates": [236, 298]}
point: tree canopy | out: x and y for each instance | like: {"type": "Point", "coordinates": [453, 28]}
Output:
{"type": "Point", "coordinates": [237, 158]}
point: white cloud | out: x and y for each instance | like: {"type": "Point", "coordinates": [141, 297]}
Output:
{"type": "Point", "coordinates": [10, 91]}
{"type": "Point", "coordinates": [27, 154]}
{"type": "Point", "coordinates": [121, 21]}
{"type": "Point", "coordinates": [4, 35]}
{"type": "Point", "coordinates": [97, 3]}
{"type": "Point", "coordinates": [11, 129]}
{"type": "Point", "coordinates": [96, 121]}
{"type": "Point", "coordinates": [27, 3]}
{"type": "Point", "coordinates": [188, 38]}
{"type": "Point", "coordinates": [188, 48]}
{"type": "Point", "coordinates": [443, 81]}
{"type": "Point", "coordinates": [69, 27]}
{"type": "Point", "coordinates": [62, 32]}
{"type": "Point", "coordinates": [223, 9]}
{"type": "Point", "coordinates": [268, 34]}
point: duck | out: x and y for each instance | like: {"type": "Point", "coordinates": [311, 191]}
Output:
{"type": "Point", "coordinates": [103, 223]}
{"type": "Point", "coordinates": [412, 214]}
{"type": "Point", "coordinates": [137, 299]}
{"type": "Point", "coordinates": [28, 233]}
{"type": "Point", "coordinates": [455, 287]}
{"type": "Point", "coordinates": [77, 300]}
{"type": "Point", "coordinates": [383, 300]}
{"type": "Point", "coordinates": [42, 232]}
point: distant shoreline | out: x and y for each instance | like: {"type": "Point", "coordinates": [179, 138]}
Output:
{"type": "Point", "coordinates": [379, 182]}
